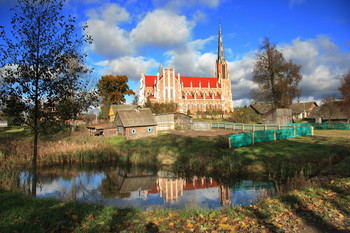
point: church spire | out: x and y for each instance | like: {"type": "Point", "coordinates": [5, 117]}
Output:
{"type": "Point", "coordinates": [221, 55]}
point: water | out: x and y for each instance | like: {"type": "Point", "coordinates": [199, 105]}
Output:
{"type": "Point", "coordinates": [145, 189]}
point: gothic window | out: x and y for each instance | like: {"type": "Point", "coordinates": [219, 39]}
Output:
{"type": "Point", "coordinates": [204, 93]}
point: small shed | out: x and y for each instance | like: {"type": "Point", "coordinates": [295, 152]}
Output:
{"type": "Point", "coordinates": [272, 115]}
{"type": "Point", "coordinates": [279, 116]}
{"type": "Point", "coordinates": [165, 121]}
{"type": "Point", "coordinates": [135, 123]}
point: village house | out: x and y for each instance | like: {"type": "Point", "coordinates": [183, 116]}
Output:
{"type": "Point", "coordinates": [191, 94]}
{"type": "Point", "coordinates": [302, 110]}
{"type": "Point", "coordinates": [135, 123]}
{"type": "Point", "coordinates": [333, 111]}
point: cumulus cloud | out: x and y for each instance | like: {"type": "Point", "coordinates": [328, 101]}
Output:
{"type": "Point", "coordinates": [189, 61]}
{"type": "Point", "coordinates": [130, 66]}
{"type": "Point", "coordinates": [161, 28]}
{"type": "Point", "coordinates": [240, 74]}
{"type": "Point", "coordinates": [109, 40]}
{"type": "Point", "coordinates": [322, 65]}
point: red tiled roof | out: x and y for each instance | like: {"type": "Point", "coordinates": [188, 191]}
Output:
{"type": "Point", "coordinates": [150, 80]}
{"type": "Point", "coordinates": [187, 81]}
{"type": "Point", "coordinates": [196, 80]}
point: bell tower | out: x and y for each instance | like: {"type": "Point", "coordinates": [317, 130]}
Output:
{"type": "Point", "coordinates": [221, 64]}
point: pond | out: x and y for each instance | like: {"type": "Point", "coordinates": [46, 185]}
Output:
{"type": "Point", "coordinates": [144, 188]}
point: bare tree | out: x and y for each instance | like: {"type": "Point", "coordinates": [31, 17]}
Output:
{"type": "Point", "coordinates": [277, 79]}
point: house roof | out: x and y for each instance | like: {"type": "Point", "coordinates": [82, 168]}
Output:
{"type": "Point", "coordinates": [262, 109]}
{"type": "Point", "coordinates": [138, 183]}
{"type": "Point", "coordinates": [116, 107]}
{"type": "Point", "coordinates": [302, 107]}
{"type": "Point", "coordinates": [334, 110]}
{"type": "Point", "coordinates": [135, 117]}
{"type": "Point", "coordinates": [186, 81]}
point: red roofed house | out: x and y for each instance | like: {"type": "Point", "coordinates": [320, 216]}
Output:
{"type": "Point", "coordinates": [190, 93]}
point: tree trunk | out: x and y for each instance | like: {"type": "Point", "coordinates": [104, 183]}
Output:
{"type": "Point", "coordinates": [34, 168]}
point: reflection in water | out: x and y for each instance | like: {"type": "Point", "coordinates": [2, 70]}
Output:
{"type": "Point", "coordinates": [146, 189]}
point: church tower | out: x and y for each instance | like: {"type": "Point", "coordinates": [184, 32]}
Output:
{"type": "Point", "coordinates": [221, 64]}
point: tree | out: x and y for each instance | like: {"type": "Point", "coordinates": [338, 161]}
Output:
{"type": "Point", "coordinates": [114, 88]}
{"type": "Point", "coordinates": [345, 91]}
{"type": "Point", "coordinates": [41, 65]}
{"type": "Point", "coordinates": [277, 79]}
{"type": "Point", "coordinates": [161, 107]}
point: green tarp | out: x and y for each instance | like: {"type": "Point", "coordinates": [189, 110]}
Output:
{"type": "Point", "coordinates": [264, 136]}
{"type": "Point", "coordinates": [325, 125]}
{"type": "Point", "coordinates": [243, 139]}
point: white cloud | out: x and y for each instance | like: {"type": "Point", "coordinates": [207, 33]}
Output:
{"type": "Point", "coordinates": [240, 75]}
{"type": "Point", "coordinates": [130, 66]}
{"type": "Point", "coordinates": [322, 65]}
{"type": "Point", "coordinates": [109, 39]}
{"type": "Point", "coordinates": [189, 61]}
{"type": "Point", "coordinates": [161, 28]}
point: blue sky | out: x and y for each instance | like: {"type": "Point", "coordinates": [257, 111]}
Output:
{"type": "Point", "coordinates": [138, 35]}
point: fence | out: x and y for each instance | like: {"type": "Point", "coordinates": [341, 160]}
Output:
{"type": "Point", "coordinates": [238, 140]}
{"type": "Point", "coordinates": [325, 125]}
{"type": "Point", "coordinates": [246, 127]}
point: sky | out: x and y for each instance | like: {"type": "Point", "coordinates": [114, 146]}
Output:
{"type": "Point", "coordinates": [134, 36]}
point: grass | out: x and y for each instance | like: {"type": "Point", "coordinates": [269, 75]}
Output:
{"type": "Point", "coordinates": [326, 204]}
{"type": "Point", "coordinates": [282, 158]}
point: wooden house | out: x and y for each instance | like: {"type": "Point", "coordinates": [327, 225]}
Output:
{"type": "Point", "coordinates": [302, 110]}
{"type": "Point", "coordinates": [333, 111]}
{"type": "Point", "coordinates": [135, 123]}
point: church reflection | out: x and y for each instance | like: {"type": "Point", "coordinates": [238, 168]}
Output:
{"type": "Point", "coordinates": [124, 188]}
{"type": "Point", "coordinates": [170, 187]}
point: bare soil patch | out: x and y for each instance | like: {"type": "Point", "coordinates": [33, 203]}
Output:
{"type": "Point", "coordinates": [205, 133]}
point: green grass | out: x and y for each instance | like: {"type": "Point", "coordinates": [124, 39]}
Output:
{"type": "Point", "coordinates": [325, 204]}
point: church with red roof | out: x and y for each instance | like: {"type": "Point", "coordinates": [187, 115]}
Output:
{"type": "Point", "coordinates": [190, 93]}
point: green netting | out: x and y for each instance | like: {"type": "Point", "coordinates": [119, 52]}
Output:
{"type": "Point", "coordinates": [325, 125]}
{"type": "Point", "coordinates": [303, 131]}
{"type": "Point", "coordinates": [243, 139]}
{"type": "Point", "coordinates": [264, 136]}
{"type": "Point", "coordinates": [214, 125]}
{"type": "Point", "coordinates": [284, 133]}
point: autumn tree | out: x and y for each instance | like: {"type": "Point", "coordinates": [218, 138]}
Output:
{"type": "Point", "coordinates": [41, 62]}
{"type": "Point", "coordinates": [113, 89]}
{"type": "Point", "coordinates": [345, 91]}
{"type": "Point", "coordinates": [277, 78]}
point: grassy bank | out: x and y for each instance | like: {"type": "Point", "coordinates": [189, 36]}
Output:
{"type": "Point", "coordinates": [325, 206]}
{"type": "Point", "coordinates": [208, 155]}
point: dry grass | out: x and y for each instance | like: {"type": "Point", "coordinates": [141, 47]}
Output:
{"type": "Point", "coordinates": [333, 133]}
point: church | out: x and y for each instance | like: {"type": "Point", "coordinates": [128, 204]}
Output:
{"type": "Point", "coordinates": [190, 93]}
